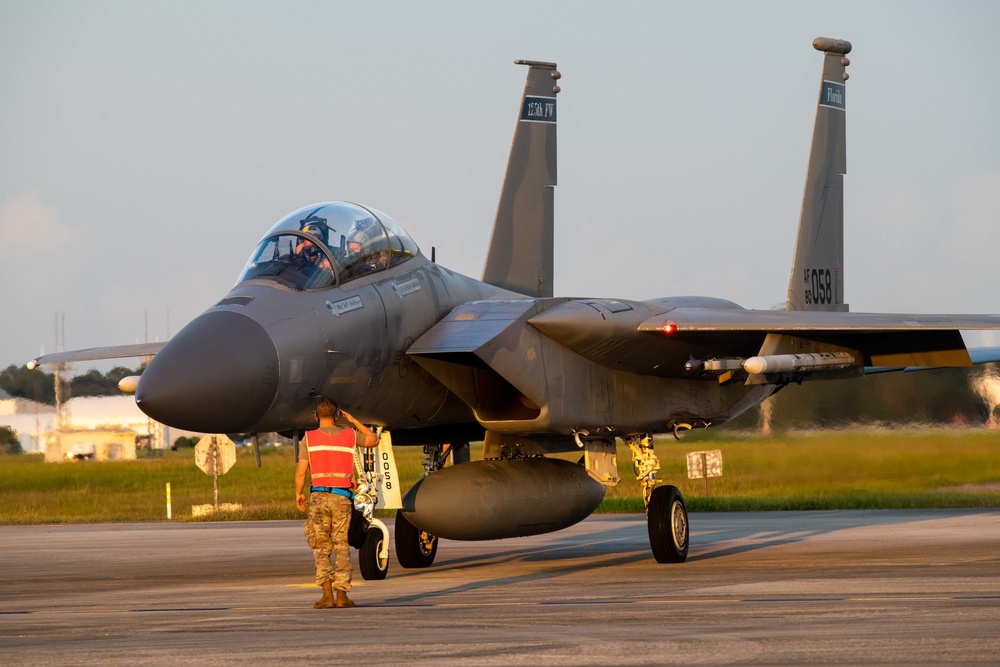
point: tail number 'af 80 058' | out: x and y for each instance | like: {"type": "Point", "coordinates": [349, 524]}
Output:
{"type": "Point", "coordinates": [820, 286]}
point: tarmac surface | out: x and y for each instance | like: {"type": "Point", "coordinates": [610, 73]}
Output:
{"type": "Point", "coordinates": [862, 587]}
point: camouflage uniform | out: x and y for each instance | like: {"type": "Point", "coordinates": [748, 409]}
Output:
{"type": "Point", "coordinates": [326, 534]}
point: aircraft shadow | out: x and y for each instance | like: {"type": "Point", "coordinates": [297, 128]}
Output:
{"type": "Point", "coordinates": [726, 534]}
{"type": "Point", "coordinates": [793, 527]}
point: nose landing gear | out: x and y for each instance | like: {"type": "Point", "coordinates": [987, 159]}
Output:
{"type": "Point", "coordinates": [367, 534]}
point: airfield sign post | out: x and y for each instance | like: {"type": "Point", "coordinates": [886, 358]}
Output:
{"type": "Point", "coordinates": [702, 465]}
{"type": "Point", "coordinates": [215, 455]}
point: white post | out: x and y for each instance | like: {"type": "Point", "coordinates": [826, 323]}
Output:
{"type": "Point", "coordinates": [168, 502]}
{"type": "Point", "coordinates": [215, 469]}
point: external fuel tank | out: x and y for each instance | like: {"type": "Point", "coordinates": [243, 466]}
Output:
{"type": "Point", "coordinates": [493, 499]}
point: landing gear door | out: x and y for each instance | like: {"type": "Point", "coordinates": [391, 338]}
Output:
{"type": "Point", "coordinates": [388, 489]}
{"type": "Point", "coordinates": [601, 460]}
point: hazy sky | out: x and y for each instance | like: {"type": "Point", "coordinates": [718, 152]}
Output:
{"type": "Point", "coordinates": [145, 147]}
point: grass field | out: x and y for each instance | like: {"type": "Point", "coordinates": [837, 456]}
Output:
{"type": "Point", "coordinates": [824, 470]}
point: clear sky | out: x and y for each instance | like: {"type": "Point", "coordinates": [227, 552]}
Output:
{"type": "Point", "coordinates": [145, 147]}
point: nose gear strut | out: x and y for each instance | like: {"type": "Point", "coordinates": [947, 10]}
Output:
{"type": "Point", "coordinates": [373, 548]}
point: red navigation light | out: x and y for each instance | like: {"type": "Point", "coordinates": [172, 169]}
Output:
{"type": "Point", "coordinates": [669, 328]}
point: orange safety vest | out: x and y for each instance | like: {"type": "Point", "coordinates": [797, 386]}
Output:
{"type": "Point", "coordinates": [331, 458]}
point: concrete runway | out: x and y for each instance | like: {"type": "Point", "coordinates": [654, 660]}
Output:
{"type": "Point", "coordinates": [868, 587]}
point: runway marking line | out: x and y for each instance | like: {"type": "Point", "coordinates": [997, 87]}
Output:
{"type": "Point", "coordinates": [272, 607]}
{"type": "Point", "coordinates": [42, 612]}
{"type": "Point", "coordinates": [375, 605]}
{"type": "Point", "coordinates": [489, 604]}
{"type": "Point", "coordinates": [894, 599]}
{"type": "Point", "coordinates": [685, 601]}
{"type": "Point", "coordinates": [353, 585]}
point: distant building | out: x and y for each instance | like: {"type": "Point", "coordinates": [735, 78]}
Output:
{"type": "Point", "coordinates": [29, 419]}
{"type": "Point", "coordinates": [98, 444]}
{"type": "Point", "coordinates": [11, 405]}
{"type": "Point", "coordinates": [97, 412]}
{"type": "Point", "coordinates": [98, 427]}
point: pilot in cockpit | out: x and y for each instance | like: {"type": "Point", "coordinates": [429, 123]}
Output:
{"type": "Point", "coordinates": [363, 256]}
{"type": "Point", "coordinates": [355, 243]}
{"type": "Point", "coordinates": [310, 250]}
{"type": "Point", "coordinates": [355, 249]}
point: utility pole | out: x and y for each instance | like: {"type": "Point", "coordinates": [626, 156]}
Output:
{"type": "Point", "coordinates": [60, 331]}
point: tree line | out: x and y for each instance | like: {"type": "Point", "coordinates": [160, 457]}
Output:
{"type": "Point", "coordinates": [938, 396]}
{"type": "Point", "coordinates": [37, 385]}
{"type": "Point", "coordinates": [9, 444]}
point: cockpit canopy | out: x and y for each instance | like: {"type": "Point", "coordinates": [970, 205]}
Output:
{"type": "Point", "coordinates": [329, 244]}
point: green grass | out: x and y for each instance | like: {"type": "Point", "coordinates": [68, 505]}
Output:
{"type": "Point", "coordinates": [825, 470]}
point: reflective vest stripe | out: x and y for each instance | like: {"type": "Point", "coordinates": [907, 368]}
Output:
{"type": "Point", "coordinates": [331, 458]}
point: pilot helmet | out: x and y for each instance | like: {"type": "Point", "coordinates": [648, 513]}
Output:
{"type": "Point", "coordinates": [315, 230]}
{"type": "Point", "coordinates": [316, 227]}
{"type": "Point", "coordinates": [356, 242]}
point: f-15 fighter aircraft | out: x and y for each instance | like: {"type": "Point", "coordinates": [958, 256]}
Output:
{"type": "Point", "coordinates": [338, 301]}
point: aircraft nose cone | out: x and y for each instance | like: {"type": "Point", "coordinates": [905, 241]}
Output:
{"type": "Point", "coordinates": [217, 375]}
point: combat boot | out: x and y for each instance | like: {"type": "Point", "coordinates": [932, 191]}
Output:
{"type": "Point", "coordinates": [343, 600]}
{"type": "Point", "coordinates": [326, 601]}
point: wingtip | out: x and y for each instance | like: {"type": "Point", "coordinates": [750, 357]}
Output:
{"type": "Point", "coordinates": [535, 63]}
{"type": "Point", "coordinates": [829, 45]}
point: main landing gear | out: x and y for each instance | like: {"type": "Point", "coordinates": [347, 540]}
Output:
{"type": "Point", "coordinates": [416, 548]}
{"type": "Point", "coordinates": [667, 520]}
{"type": "Point", "coordinates": [666, 515]}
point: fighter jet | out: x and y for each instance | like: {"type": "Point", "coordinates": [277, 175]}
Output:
{"type": "Point", "coordinates": [337, 300]}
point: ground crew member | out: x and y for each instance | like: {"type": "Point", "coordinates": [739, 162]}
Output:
{"type": "Point", "coordinates": [328, 452]}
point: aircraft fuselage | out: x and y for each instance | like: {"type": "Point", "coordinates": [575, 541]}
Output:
{"type": "Point", "coordinates": [257, 360]}
{"type": "Point", "coordinates": [345, 342]}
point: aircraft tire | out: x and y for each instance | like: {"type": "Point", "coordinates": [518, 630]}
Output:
{"type": "Point", "coordinates": [460, 453]}
{"type": "Point", "coordinates": [414, 548]}
{"type": "Point", "coordinates": [372, 567]}
{"type": "Point", "coordinates": [668, 525]}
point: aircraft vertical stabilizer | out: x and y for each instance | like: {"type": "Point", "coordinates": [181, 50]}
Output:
{"type": "Point", "coordinates": [817, 280]}
{"type": "Point", "coordinates": [521, 248]}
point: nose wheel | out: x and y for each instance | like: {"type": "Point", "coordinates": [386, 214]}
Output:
{"type": "Point", "coordinates": [373, 563]}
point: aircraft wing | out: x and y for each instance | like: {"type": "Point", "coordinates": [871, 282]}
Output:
{"type": "Point", "coordinates": [705, 320]}
{"type": "Point", "coordinates": [978, 355]}
{"type": "Point", "coordinates": [660, 338]}
{"type": "Point", "coordinates": [633, 337]}
{"type": "Point", "coordinates": [97, 353]}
